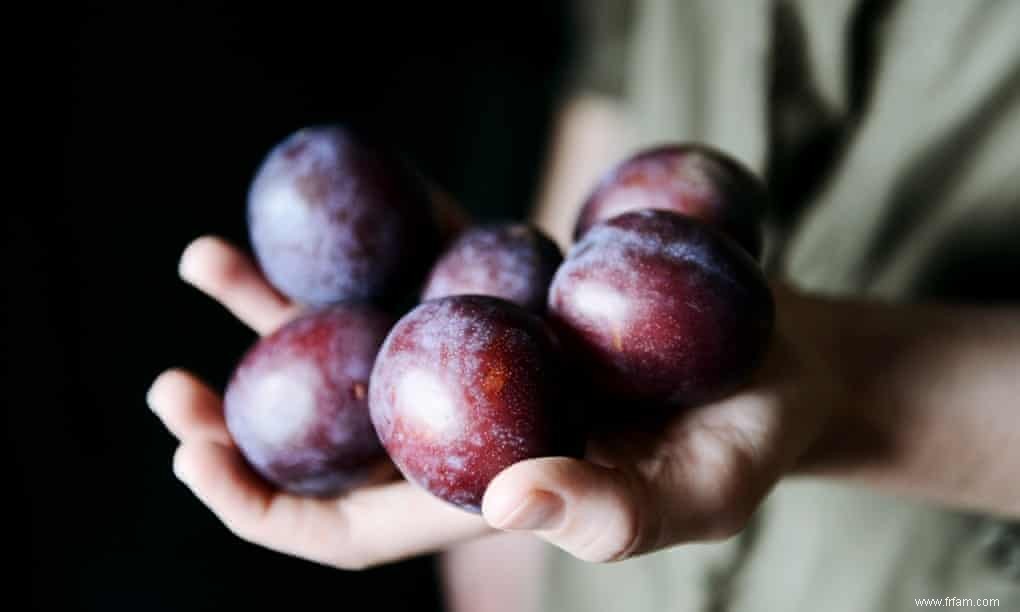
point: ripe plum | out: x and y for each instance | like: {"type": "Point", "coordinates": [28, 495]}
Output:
{"type": "Point", "coordinates": [465, 386]}
{"type": "Point", "coordinates": [333, 218]}
{"type": "Point", "coordinates": [690, 179]}
{"type": "Point", "coordinates": [297, 404]}
{"type": "Point", "coordinates": [662, 309]}
{"type": "Point", "coordinates": [515, 262]}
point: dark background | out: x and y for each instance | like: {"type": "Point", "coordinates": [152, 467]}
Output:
{"type": "Point", "coordinates": [171, 109]}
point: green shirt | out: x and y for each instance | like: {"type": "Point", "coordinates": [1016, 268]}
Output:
{"type": "Point", "coordinates": [889, 135]}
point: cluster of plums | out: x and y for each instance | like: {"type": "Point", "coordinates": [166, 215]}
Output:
{"type": "Point", "coordinates": [513, 351]}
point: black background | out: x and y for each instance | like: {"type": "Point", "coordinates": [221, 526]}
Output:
{"type": "Point", "coordinates": [171, 109]}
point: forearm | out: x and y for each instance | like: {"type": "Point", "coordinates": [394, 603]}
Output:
{"type": "Point", "coordinates": [929, 403]}
{"type": "Point", "coordinates": [591, 135]}
{"type": "Point", "coordinates": [497, 573]}
{"type": "Point", "coordinates": [930, 400]}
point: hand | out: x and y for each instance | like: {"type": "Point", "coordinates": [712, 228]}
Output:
{"type": "Point", "coordinates": [700, 477]}
{"type": "Point", "coordinates": [368, 526]}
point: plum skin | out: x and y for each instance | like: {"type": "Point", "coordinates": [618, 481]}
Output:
{"type": "Point", "coordinates": [465, 386]}
{"type": "Point", "coordinates": [333, 217]}
{"type": "Point", "coordinates": [690, 179]}
{"type": "Point", "coordinates": [663, 310]}
{"type": "Point", "coordinates": [297, 403]}
{"type": "Point", "coordinates": [513, 261]}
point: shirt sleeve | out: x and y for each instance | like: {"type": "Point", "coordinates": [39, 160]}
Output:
{"type": "Point", "coordinates": [602, 31]}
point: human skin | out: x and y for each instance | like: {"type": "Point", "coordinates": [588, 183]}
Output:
{"type": "Point", "coordinates": [935, 419]}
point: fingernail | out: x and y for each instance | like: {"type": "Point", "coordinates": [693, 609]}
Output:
{"type": "Point", "coordinates": [540, 510]}
{"type": "Point", "coordinates": [185, 264]}
{"type": "Point", "coordinates": [150, 395]}
{"type": "Point", "coordinates": [179, 471]}
{"type": "Point", "coordinates": [184, 267]}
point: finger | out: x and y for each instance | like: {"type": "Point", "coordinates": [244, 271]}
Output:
{"type": "Point", "coordinates": [188, 408]}
{"type": "Point", "coordinates": [231, 278]}
{"type": "Point", "coordinates": [702, 484]}
{"type": "Point", "coordinates": [593, 512]}
{"type": "Point", "coordinates": [398, 520]}
{"type": "Point", "coordinates": [364, 527]}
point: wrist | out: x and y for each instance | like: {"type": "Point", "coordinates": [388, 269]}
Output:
{"type": "Point", "coordinates": [922, 399]}
{"type": "Point", "coordinates": [848, 437]}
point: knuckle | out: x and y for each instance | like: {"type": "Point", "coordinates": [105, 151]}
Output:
{"type": "Point", "coordinates": [728, 499]}
{"type": "Point", "coordinates": [729, 522]}
{"type": "Point", "coordinates": [351, 557]}
{"type": "Point", "coordinates": [242, 529]}
{"type": "Point", "coordinates": [627, 538]}
{"type": "Point", "coordinates": [617, 540]}
{"type": "Point", "coordinates": [349, 563]}
{"type": "Point", "coordinates": [349, 550]}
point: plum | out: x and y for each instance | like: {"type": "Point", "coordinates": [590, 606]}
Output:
{"type": "Point", "coordinates": [689, 179]}
{"type": "Point", "coordinates": [465, 386]}
{"type": "Point", "coordinates": [513, 261]}
{"type": "Point", "coordinates": [334, 217]}
{"type": "Point", "coordinates": [663, 310]}
{"type": "Point", "coordinates": [297, 404]}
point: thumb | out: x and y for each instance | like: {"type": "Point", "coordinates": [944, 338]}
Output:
{"type": "Point", "coordinates": [594, 513]}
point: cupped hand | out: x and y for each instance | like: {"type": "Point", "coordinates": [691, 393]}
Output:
{"type": "Point", "coordinates": [370, 525]}
{"type": "Point", "coordinates": [700, 476]}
